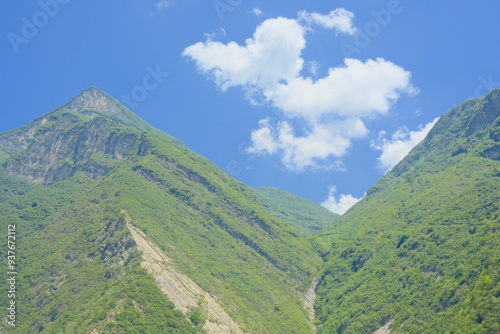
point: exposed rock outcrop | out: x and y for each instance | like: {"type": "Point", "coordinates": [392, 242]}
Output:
{"type": "Point", "coordinates": [71, 145]}
{"type": "Point", "coordinates": [180, 289]}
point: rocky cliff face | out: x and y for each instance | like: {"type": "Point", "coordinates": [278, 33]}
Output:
{"type": "Point", "coordinates": [91, 102]}
{"type": "Point", "coordinates": [89, 133]}
{"type": "Point", "coordinates": [67, 143]}
{"type": "Point", "coordinates": [82, 136]}
{"type": "Point", "coordinates": [17, 140]}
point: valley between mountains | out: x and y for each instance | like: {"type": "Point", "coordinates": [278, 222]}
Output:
{"type": "Point", "coordinates": [121, 228]}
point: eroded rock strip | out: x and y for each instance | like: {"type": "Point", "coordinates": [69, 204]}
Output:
{"type": "Point", "coordinates": [180, 289]}
{"type": "Point", "coordinates": [308, 299]}
{"type": "Point", "coordinates": [386, 329]}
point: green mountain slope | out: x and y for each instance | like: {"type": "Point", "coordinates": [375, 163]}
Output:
{"type": "Point", "coordinates": [421, 252]}
{"type": "Point", "coordinates": [122, 229]}
{"type": "Point", "coordinates": [304, 215]}
{"type": "Point", "coordinates": [94, 194]}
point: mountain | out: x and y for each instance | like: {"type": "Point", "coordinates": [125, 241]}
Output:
{"type": "Point", "coordinates": [120, 228]}
{"type": "Point", "coordinates": [421, 252]}
{"type": "Point", "coordinates": [304, 215]}
{"type": "Point", "coordinates": [113, 226]}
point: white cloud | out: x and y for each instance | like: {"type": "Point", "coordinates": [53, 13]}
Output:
{"type": "Point", "coordinates": [399, 145]}
{"type": "Point", "coordinates": [354, 90]}
{"type": "Point", "coordinates": [315, 149]}
{"type": "Point", "coordinates": [273, 54]}
{"type": "Point", "coordinates": [340, 205]}
{"type": "Point", "coordinates": [263, 139]}
{"type": "Point", "coordinates": [330, 110]}
{"type": "Point", "coordinates": [257, 12]}
{"type": "Point", "coordinates": [162, 4]}
{"type": "Point", "coordinates": [339, 19]}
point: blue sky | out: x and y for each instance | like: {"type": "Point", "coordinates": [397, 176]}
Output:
{"type": "Point", "coordinates": [318, 98]}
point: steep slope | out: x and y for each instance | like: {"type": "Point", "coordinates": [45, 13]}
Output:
{"type": "Point", "coordinates": [304, 215]}
{"type": "Point", "coordinates": [421, 252]}
{"type": "Point", "coordinates": [91, 191]}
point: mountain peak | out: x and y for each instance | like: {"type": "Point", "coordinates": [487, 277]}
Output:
{"type": "Point", "coordinates": [93, 102]}
{"type": "Point", "coordinates": [94, 99]}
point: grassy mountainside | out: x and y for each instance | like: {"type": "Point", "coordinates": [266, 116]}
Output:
{"type": "Point", "coordinates": [419, 254]}
{"type": "Point", "coordinates": [304, 215]}
{"type": "Point", "coordinates": [74, 178]}
{"type": "Point", "coordinates": [422, 250]}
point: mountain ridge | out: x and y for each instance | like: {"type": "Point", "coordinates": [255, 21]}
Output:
{"type": "Point", "coordinates": [300, 213]}
{"type": "Point", "coordinates": [67, 185]}
{"type": "Point", "coordinates": [108, 214]}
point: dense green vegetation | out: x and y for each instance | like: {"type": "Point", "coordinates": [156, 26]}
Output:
{"type": "Point", "coordinates": [79, 269]}
{"type": "Point", "coordinates": [304, 215]}
{"type": "Point", "coordinates": [422, 249]}
{"type": "Point", "coordinates": [65, 283]}
{"type": "Point", "coordinates": [219, 235]}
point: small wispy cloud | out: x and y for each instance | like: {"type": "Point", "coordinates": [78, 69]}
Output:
{"type": "Point", "coordinates": [339, 19]}
{"type": "Point", "coordinates": [399, 145]}
{"type": "Point", "coordinates": [257, 11]}
{"type": "Point", "coordinates": [340, 205]}
{"type": "Point", "coordinates": [163, 4]}
{"type": "Point", "coordinates": [313, 67]}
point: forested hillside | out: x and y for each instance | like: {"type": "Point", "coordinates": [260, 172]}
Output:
{"type": "Point", "coordinates": [421, 251]}
{"type": "Point", "coordinates": [79, 180]}
{"type": "Point", "coordinates": [120, 228]}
